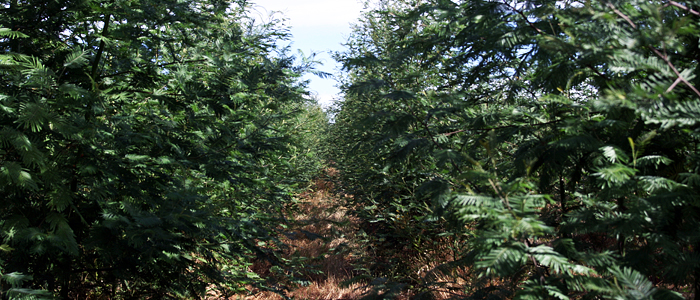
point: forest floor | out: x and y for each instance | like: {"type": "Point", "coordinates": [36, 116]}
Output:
{"type": "Point", "coordinates": [324, 234]}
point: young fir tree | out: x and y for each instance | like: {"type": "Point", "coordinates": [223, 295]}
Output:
{"type": "Point", "coordinates": [141, 151]}
{"type": "Point", "coordinates": [557, 141]}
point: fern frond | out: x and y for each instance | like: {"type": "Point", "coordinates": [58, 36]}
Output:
{"type": "Point", "coordinates": [61, 233]}
{"type": "Point", "coordinates": [76, 59]}
{"type": "Point", "coordinates": [615, 175]}
{"type": "Point", "coordinates": [32, 116]}
{"type": "Point", "coordinates": [6, 32]}
{"type": "Point", "coordinates": [472, 200]}
{"type": "Point", "coordinates": [690, 179]}
{"type": "Point", "coordinates": [555, 261]}
{"type": "Point", "coordinates": [6, 60]}
{"type": "Point", "coordinates": [653, 161]}
{"type": "Point", "coordinates": [614, 154]}
{"type": "Point", "coordinates": [629, 61]}
{"type": "Point", "coordinates": [655, 184]}
{"type": "Point", "coordinates": [503, 260]}
{"type": "Point", "coordinates": [28, 294]}
{"type": "Point", "coordinates": [633, 285]}
{"type": "Point", "coordinates": [15, 279]}
{"type": "Point", "coordinates": [6, 105]}
{"type": "Point", "coordinates": [37, 74]}
{"type": "Point", "coordinates": [677, 114]}
{"type": "Point", "coordinates": [13, 173]}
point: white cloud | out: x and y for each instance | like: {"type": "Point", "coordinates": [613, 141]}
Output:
{"type": "Point", "coordinates": [316, 26]}
{"type": "Point", "coordinates": [308, 13]}
{"type": "Point", "coordinates": [325, 100]}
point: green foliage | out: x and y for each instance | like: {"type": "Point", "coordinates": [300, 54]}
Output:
{"type": "Point", "coordinates": [146, 147]}
{"type": "Point", "coordinates": [549, 145]}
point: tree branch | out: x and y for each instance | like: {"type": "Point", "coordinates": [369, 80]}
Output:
{"type": "Point", "coordinates": [658, 53]}
{"type": "Point", "coordinates": [524, 18]}
{"type": "Point", "coordinates": [681, 6]}
{"type": "Point", "coordinates": [544, 33]}
{"type": "Point", "coordinates": [680, 77]}
{"type": "Point", "coordinates": [619, 13]}
{"type": "Point", "coordinates": [100, 50]}
{"type": "Point", "coordinates": [597, 72]}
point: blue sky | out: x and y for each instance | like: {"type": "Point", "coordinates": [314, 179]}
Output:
{"type": "Point", "coordinates": [316, 26]}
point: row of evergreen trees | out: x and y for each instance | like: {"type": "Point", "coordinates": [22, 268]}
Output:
{"type": "Point", "coordinates": [146, 147]}
{"type": "Point", "coordinates": [526, 149]}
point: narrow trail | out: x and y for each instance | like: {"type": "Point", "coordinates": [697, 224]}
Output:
{"type": "Point", "coordinates": [324, 235]}
{"type": "Point", "coordinates": [329, 241]}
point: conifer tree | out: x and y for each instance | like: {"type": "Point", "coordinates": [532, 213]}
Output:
{"type": "Point", "coordinates": [554, 140]}
{"type": "Point", "coordinates": [141, 147]}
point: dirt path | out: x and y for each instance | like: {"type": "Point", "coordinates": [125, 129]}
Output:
{"type": "Point", "coordinates": [324, 236]}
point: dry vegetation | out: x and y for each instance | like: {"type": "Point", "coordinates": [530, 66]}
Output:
{"type": "Point", "coordinates": [324, 235]}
